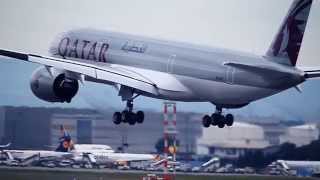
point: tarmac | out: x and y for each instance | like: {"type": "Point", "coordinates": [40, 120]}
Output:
{"type": "Point", "coordinates": [39, 173]}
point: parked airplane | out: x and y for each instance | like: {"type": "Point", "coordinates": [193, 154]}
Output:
{"type": "Point", "coordinates": [41, 154]}
{"type": "Point", "coordinates": [169, 70]}
{"type": "Point", "coordinates": [62, 151]}
{"type": "Point", "coordinates": [294, 168]}
{"type": "Point", "coordinates": [296, 164]}
{"type": "Point", "coordinates": [98, 153]}
{"type": "Point", "coordinates": [105, 154]}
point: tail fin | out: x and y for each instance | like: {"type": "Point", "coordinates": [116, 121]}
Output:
{"type": "Point", "coordinates": [2, 147]}
{"type": "Point", "coordinates": [65, 141]}
{"type": "Point", "coordinates": [286, 45]}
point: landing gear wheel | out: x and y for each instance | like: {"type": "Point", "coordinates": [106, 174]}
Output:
{"type": "Point", "coordinates": [218, 119]}
{"type": "Point", "coordinates": [128, 115]}
{"type": "Point", "coordinates": [215, 119]}
{"type": "Point", "coordinates": [229, 119]}
{"type": "Point", "coordinates": [132, 118]}
{"type": "Point", "coordinates": [140, 117]}
{"type": "Point", "coordinates": [116, 118]}
{"type": "Point", "coordinates": [206, 121]}
{"type": "Point", "coordinates": [221, 121]}
{"type": "Point", "coordinates": [125, 116]}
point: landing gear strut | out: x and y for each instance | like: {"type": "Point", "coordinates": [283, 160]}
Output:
{"type": "Point", "coordinates": [218, 119]}
{"type": "Point", "coordinates": [127, 115]}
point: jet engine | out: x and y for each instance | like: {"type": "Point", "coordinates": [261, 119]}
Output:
{"type": "Point", "coordinates": [53, 85]}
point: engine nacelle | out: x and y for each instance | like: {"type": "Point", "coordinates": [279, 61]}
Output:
{"type": "Point", "coordinates": [54, 86]}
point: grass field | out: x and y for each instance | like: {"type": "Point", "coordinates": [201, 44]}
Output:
{"type": "Point", "coordinates": [54, 174]}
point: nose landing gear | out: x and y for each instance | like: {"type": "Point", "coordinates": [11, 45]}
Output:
{"type": "Point", "coordinates": [218, 119]}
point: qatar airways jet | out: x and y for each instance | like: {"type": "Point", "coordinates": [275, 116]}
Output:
{"type": "Point", "coordinates": [169, 70]}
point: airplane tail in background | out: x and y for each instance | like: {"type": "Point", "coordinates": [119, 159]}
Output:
{"type": "Point", "coordinates": [287, 43]}
{"type": "Point", "coordinates": [2, 147]}
{"type": "Point", "coordinates": [65, 141]}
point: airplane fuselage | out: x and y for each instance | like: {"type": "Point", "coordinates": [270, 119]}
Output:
{"type": "Point", "coordinates": [104, 154]}
{"type": "Point", "coordinates": [22, 154]}
{"type": "Point", "coordinates": [201, 70]}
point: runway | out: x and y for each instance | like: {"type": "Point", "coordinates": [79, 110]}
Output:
{"type": "Point", "coordinates": [32, 173]}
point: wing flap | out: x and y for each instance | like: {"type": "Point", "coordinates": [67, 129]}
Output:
{"type": "Point", "coordinates": [163, 80]}
{"type": "Point", "coordinates": [143, 86]}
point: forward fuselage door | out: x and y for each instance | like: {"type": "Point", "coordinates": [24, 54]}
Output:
{"type": "Point", "coordinates": [230, 75]}
{"type": "Point", "coordinates": [170, 63]}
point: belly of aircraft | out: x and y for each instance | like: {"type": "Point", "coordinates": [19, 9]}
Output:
{"type": "Point", "coordinates": [216, 92]}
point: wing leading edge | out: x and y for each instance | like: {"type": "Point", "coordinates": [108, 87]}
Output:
{"type": "Point", "coordinates": [107, 73]}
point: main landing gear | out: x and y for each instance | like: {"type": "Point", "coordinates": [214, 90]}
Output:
{"type": "Point", "coordinates": [127, 115]}
{"type": "Point", "coordinates": [218, 119]}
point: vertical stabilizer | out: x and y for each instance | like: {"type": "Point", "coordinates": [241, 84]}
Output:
{"type": "Point", "coordinates": [65, 141]}
{"type": "Point", "coordinates": [286, 45]}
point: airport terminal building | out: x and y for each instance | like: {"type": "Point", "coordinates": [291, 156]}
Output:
{"type": "Point", "coordinates": [233, 142]}
{"type": "Point", "coordinates": [38, 128]}
{"type": "Point", "coordinates": [140, 138]}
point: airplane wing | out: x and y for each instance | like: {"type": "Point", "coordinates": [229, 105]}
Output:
{"type": "Point", "coordinates": [145, 80]}
{"type": "Point", "coordinates": [311, 72]}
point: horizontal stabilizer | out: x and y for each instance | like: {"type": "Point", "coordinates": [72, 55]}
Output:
{"type": "Point", "coordinates": [311, 72]}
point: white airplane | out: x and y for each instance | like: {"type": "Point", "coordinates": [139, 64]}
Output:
{"type": "Point", "coordinates": [103, 154]}
{"type": "Point", "coordinates": [287, 165]}
{"type": "Point", "coordinates": [42, 154]}
{"type": "Point", "coordinates": [169, 70]}
{"type": "Point", "coordinates": [60, 152]}
{"type": "Point", "coordinates": [99, 153]}
{"type": "Point", "coordinates": [23, 154]}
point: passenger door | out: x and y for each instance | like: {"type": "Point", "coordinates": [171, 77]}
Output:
{"type": "Point", "coordinates": [170, 63]}
{"type": "Point", "coordinates": [230, 75]}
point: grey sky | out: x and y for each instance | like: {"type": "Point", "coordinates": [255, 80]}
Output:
{"type": "Point", "coordinates": [244, 25]}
